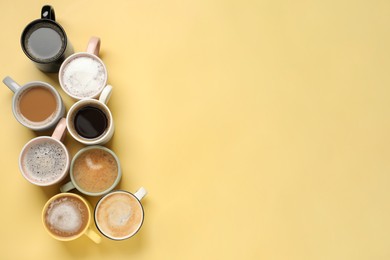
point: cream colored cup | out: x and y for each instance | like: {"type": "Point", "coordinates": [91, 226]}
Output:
{"type": "Point", "coordinates": [99, 104]}
{"type": "Point", "coordinates": [67, 216]}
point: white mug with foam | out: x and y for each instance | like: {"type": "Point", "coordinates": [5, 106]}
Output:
{"type": "Point", "coordinates": [83, 74]}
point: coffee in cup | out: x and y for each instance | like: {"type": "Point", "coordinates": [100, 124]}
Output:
{"type": "Point", "coordinates": [36, 105]}
{"type": "Point", "coordinates": [44, 41]}
{"type": "Point", "coordinates": [94, 171]}
{"type": "Point", "coordinates": [119, 214]}
{"type": "Point", "coordinates": [83, 74]}
{"type": "Point", "coordinates": [67, 216]}
{"type": "Point", "coordinates": [90, 121]}
{"type": "Point", "coordinates": [44, 160]}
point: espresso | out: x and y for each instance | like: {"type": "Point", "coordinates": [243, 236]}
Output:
{"type": "Point", "coordinates": [95, 170]}
{"type": "Point", "coordinates": [83, 76]}
{"type": "Point", "coordinates": [37, 104]}
{"type": "Point", "coordinates": [44, 42]}
{"type": "Point", "coordinates": [90, 122]}
{"type": "Point", "coordinates": [66, 216]}
{"type": "Point", "coordinates": [119, 215]}
{"type": "Point", "coordinates": [44, 161]}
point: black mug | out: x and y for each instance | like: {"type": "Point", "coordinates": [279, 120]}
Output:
{"type": "Point", "coordinates": [44, 42]}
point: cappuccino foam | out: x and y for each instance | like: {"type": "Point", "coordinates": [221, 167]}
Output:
{"type": "Point", "coordinates": [83, 76]}
{"type": "Point", "coordinates": [119, 215]}
{"type": "Point", "coordinates": [66, 216]}
{"type": "Point", "coordinates": [44, 162]}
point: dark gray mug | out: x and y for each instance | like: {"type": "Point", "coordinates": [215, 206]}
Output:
{"type": "Point", "coordinates": [44, 41]}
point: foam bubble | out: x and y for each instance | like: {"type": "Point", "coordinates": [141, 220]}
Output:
{"type": "Point", "coordinates": [119, 213]}
{"type": "Point", "coordinates": [44, 162]}
{"type": "Point", "coordinates": [64, 217]}
{"type": "Point", "coordinates": [83, 76]}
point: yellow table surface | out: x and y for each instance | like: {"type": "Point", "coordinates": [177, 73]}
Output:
{"type": "Point", "coordinates": [259, 128]}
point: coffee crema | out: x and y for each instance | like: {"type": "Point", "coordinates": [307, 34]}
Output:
{"type": "Point", "coordinates": [83, 76]}
{"type": "Point", "coordinates": [95, 170]}
{"type": "Point", "coordinates": [66, 216]}
{"type": "Point", "coordinates": [44, 42]}
{"type": "Point", "coordinates": [44, 161]}
{"type": "Point", "coordinates": [119, 215]}
{"type": "Point", "coordinates": [37, 104]}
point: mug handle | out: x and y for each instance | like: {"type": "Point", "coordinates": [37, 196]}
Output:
{"type": "Point", "coordinates": [93, 46]}
{"type": "Point", "coordinates": [67, 187]}
{"type": "Point", "coordinates": [11, 84]}
{"type": "Point", "coordinates": [140, 193]}
{"type": "Point", "coordinates": [47, 12]}
{"type": "Point", "coordinates": [60, 131]}
{"type": "Point", "coordinates": [106, 94]}
{"type": "Point", "coordinates": [93, 236]}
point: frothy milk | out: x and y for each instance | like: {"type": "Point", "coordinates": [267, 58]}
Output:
{"type": "Point", "coordinates": [119, 215]}
{"type": "Point", "coordinates": [44, 161]}
{"type": "Point", "coordinates": [66, 216]}
{"type": "Point", "coordinates": [83, 76]}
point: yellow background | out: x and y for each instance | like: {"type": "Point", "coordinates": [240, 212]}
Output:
{"type": "Point", "coordinates": [261, 129]}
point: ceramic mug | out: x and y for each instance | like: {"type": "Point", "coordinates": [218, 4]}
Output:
{"type": "Point", "coordinates": [90, 121]}
{"type": "Point", "coordinates": [37, 105]}
{"type": "Point", "coordinates": [67, 216]}
{"type": "Point", "coordinates": [94, 171]}
{"type": "Point", "coordinates": [83, 74]}
{"type": "Point", "coordinates": [44, 160]}
{"type": "Point", "coordinates": [119, 215]}
{"type": "Point", "coordinates": [44, 41]}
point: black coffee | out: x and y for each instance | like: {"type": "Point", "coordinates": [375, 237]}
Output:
{"type": "Point", "coordinates": [44, 42]}
{"type": "Point", "coordinates": [90, 122]}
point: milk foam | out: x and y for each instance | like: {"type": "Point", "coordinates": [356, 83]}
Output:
{"type": "Point", "coordinates": [64, 216]}
{"type": "Point", "coordinates": [83, 76]}
{"type": "Point", "coordinates": [44, 162]}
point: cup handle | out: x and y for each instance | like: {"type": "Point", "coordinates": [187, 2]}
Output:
{"type": "Point", "coordinates": [93, 46]}
{"type": "Point", "coordinates": [93, 236]}
{"type": "Point", "coordinates": [67, 187]}
{"type": "Point", "coordinates": [106, 94]}
{"type": "Point", "coordinates": [47, 12]}
{"type": "Point", "coordinates": [11, 84]}
{"type": "Point", "coordinates": [141, 192]}
{"type": "Point", "coordinates": [60, 131]}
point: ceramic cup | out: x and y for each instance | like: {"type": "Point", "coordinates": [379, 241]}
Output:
{"type": "Point", "coordinates": [119, 215]}
{"type": "Point", "coordinates": [44, 160]}
{"type": "Point", "coordinates": [83, 74]}
{"type": "Point", "coordinates": [94, 171]}
{"type": "Point", "coordinates": [90, 120]}
{"type": "Point", "coordinates": [44, 41]}
{"type": "Point", "coordinates": [37, 105]}
{"type": "Point", "coordinates": [67, 216]}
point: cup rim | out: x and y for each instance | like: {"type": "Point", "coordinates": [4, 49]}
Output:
{"type": "Point", "coordinates": [42, 20]}
{"type": "Point", "coordinates": [110, 194]}
{"type": "Point", "coordinates": [66, 62]}
{"type": "Point", "coordinates": [60, 110]}
{"type": "Point", "coordinates": [87, 226]}
{"type": "Point", "coordinates": [63, 174]}
{"type": "Point", "coordinates": [85, 149]}
{"type": "Point", "coordinates": [73, 133]}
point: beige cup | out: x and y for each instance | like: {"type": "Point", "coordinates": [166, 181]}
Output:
{"type": "Point", "coordinates": [44, 160]}
{"type": "Point", "coordinates": [67, 216]}
{"type": "Point", "coordinates": [119, 215]}
{"type": "Point", "coordinates": [83, 74]}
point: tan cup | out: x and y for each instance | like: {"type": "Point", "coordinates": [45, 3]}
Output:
{"type": "Point", "coordinates": [67, 216]}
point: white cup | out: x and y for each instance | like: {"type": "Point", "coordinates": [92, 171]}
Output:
{"type": "Point", "coordinates": [38, 97]}
{"type": "Point", "coordinates": [90, 121]}
{"type": "Point", "coordinates": [83, 74]}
